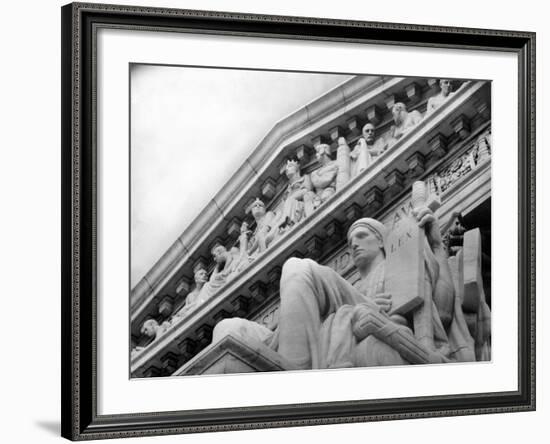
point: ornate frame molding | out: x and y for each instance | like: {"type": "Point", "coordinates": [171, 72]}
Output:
{"type": "Point", "coordinates": [80, 420]}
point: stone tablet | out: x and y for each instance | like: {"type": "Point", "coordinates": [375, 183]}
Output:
{"type": "Point", "coordinates": [473, 281]}
{"type": "Point", "coordinates": [404, 278]}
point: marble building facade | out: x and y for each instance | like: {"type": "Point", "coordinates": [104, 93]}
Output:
{"type": "Point", "coordinates": [355, 152]}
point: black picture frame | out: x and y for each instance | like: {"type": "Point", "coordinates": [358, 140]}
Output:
{"type": "Point", "coordinates": [79, 211]}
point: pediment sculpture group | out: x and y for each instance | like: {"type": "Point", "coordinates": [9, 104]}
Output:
{"type": "Point", "coordinates": [325, 322]}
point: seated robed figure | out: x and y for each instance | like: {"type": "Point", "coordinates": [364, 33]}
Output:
{"type": "Point", "coordinates": [326, 322]}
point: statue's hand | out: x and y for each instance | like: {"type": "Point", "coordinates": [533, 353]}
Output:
{"type": "Point", "coordinates": [360, 325]}
{"type": "Point", "coordinates": [384, 301]}
{"type": "Point", "coordinates": [427, 220]}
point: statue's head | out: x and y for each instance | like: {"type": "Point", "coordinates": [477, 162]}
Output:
{"type": "Point", "coordinates": [399, 112]}
{"type": "Point", "coordinates": [445, 85]}
{"type": "Point", "coordinates": [200, 276]}
{"type": "Point", "coordinates": [257, 209]}
{"type": "Point", "coordinates": [219, 253]}
{"type": "Point", "coordinates": [149, 328]}
{"type": "Point", "coordinates": [366, 238]}
{"type": "Point", "coordinates": [322, 151]}
{"type": "Point", "coordinates": [368, 133]}
{"type": "Point", "coordinates": [292, 168]}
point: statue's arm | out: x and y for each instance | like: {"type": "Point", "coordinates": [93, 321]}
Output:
{"type": "Point", "coordinates": [252, 245]}
{"type": "Point", "coordinates": [190, 300]}
{"type": "Point", "coordinates": [271, 227]}
{"type": "Point", "coordinates": [379, 146]}
{"type": "Point", "coordinates": [279, 220]}
{"type": "Point", "coordinates": [355, 152]}
{"type": "Point", "coordinates": [444, 292]}
{"type": "Point", "coordinates": [416, 117]}
{"type": "Point", "coordinates": [430, 107]}
{"type": "Point", "coordinates": [307, 185]}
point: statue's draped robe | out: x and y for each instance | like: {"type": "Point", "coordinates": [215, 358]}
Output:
{"type": "Point", "coordinates": [217, 280]}
{"type": "Point", "coordinates": [323, 180]}
{"type": "Point", "coordinates": [315, 327]}
{"type": "Point", "coordinates": [293, 206]}
{"type": "Point", "coordinates": [266, 231]}
{"type": "Point", "coordinates": [360, 158]}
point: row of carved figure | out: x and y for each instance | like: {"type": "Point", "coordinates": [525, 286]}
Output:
{"type": "Point", "coordinates": [306, 193]}
{"type": "Point", "coordinates": [303, 195]}
{"type": "Point", "coordinates": [227, 264]}
{"type": "Point", "coordinates": [325, 322]}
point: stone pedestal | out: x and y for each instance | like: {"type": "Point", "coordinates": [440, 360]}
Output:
{"type": "Point", "coordinates": [234, 355]}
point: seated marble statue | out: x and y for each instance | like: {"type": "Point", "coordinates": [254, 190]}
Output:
{"type": "Point", "coordinates": [366, 151]}
{"type": "Point", "coordinates": [438, 100]}
{"type": "Point", "coordinates": [228, 263]}
{"type": "Point", "coordinates": [266, 228]}
{"type": "Point", "coordinates": [153, 330]}
{"type": "Point", "coordinates": [293, 200]}
{"type": "Point", "coordinates": [224, 269]}
{"type": "Point", "coordinates": [326, 322]}
{"type": "Point", "coordinates": [323, 179]}
{"type": "Point", "coordinates": [192, 300]}
{"type": "Point", "coordinates": [403, 122]}
{"type": "Point", "coordinates": [221, 274]}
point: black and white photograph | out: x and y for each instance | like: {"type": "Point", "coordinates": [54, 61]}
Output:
{"type": "Point", "coordinates": [295, 221]}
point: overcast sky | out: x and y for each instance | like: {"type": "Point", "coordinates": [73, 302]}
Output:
{"type": "Point", "coordinates": [191, 129]}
